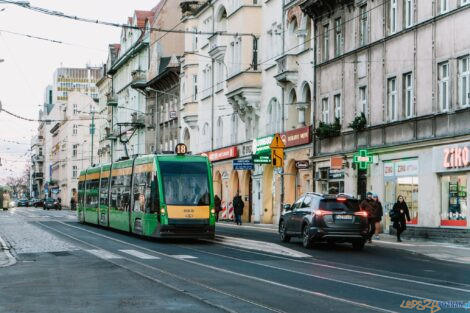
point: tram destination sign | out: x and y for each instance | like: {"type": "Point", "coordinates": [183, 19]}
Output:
{"type": "Point", "coordinates": [243, 165]}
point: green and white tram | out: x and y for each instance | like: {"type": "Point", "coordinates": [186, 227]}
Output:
{"type": "Point", "coordinates": [153, 195]}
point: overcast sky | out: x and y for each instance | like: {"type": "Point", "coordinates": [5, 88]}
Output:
{"type": "Point", "coordinates": [29, 63]}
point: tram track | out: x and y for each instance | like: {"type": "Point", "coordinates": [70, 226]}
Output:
{"type": "Point", "coordinates": [257, 279]}
{"type": "Point", "coordinates": [175, 288]}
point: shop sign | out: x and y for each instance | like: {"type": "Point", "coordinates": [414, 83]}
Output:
{"type": "Point", "coordinates": [172, 114]}
{"type": "Point", "coordinates": [301, 165]}
{"type": "Point", "coordinates": [451, 158]}
{"type": "Point", "coordinates": [261, 159]}
{"type": "Point", "coordinates": [401, 168]}
{"type": "Point", "coordinates": [336, 174]}
{"type": "Point", "coordinates": [363, 159]}
{"type": "Point", "coordinates": [225, 175]}
{"type": "Point", "coordinates": [222, 154]}
{"type": "Point", "coordinates": [243, 165]}
{"type": "Point", "coordinates": [261, 145]}
{"type": "Point", "coordinates": [297, 137]}
{"type": "Point", "coordinates": [336, 162]}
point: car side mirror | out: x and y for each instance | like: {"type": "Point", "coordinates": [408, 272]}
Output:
{"type": "Point", "coordinates": [287, 207]}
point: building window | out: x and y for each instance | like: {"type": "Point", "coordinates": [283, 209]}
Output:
{"type": "Point", "coordinates": [206, 138]}
{"type": "Point", "coordinates": [464, 2]}
{"type": "Point", "coordinates": [444, 6]}
{"type": "Point", "coordinates": [408, 90]}
{"type": "Point", "coordinates": [236, 51]}
{"type": "Point", "coordinates": [408, 13]}
{"type": "Point", "coordinates": [234, 135]}
{"type": "Point", "coordinates": [325, 111]}
{"type": "Point", "coordinates": [194, 87]}
{"type": "Point", "coordinates": [363, 25]}
{"type": "Point", "coordinates": [74, 150]}
{"type": "Point", "coordinates": [392, 99]}
{"type": "Point", "coordinates": [363, 99]}
{"type": "Point", "coordinates": [274, 114]}
{"type": "Point", "coordinates": [444, 87]}
{"type": "Point", "coordinates": [74, 171]}
{"type": "Point", "coordinates": [220, 74]}
{"type": "Point", "coordinates": [454, 200]}
{"type": "Point", "coordinates": [464, 81]}
{"type": "Point", "coordinates": [75, 109]}
{"type": "Point", "coordinates": [337, 103]}
{"type": "Point", "coordinates": [74, 129]}
{"type": "Point", "coordinates": [326, 42]}
{"type": "Point", "coordinates": [220, 133]}
{"type": "Point", "coordinates": [206, 81]}
{"type": "Point", "coordinates": [393, 16]}
{"type": "Point", "coordinates": [338, 37]}
{"type": "Point", "coordinates": [194, 39]}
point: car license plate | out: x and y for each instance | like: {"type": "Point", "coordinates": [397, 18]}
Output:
{"type": "Point", "coordinates": [344, 217]}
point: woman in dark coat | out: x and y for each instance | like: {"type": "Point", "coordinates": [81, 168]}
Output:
{"type": "Point", "coordinates": [379, 212]}
{"type": "Point", "coordinates": [218, 207]}
{"type": "Point", "coordinates": [400, 212]}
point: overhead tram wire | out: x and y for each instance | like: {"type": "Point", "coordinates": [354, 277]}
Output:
{"type": "Point", "coordinates": [47, 39]}
{"type": "Point", "coordinates": [48, 120]}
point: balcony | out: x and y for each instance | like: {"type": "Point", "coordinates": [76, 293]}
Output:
{"type": "Point", "coordinates": [139, 79]}
{"type": "Point", "coordinates": [189, 114]}
{"type": "Point", "coordinates": [287, 69]}
{"type": "Point", "coordinates": [111, 99]}
{"type": "Point", "coordinates": [217, 46]}
{"type": "Point", "coordinates": [315, 8]}
{"type": "Point", "coordinates": [38, 176]}
{"type": "Point", "coordinates": [244, 94]}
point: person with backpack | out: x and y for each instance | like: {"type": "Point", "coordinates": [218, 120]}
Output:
{"type": "Point", "coordinates": [368, 205]}
{"type": "Point", "coordinates": [238, 206]}
{"type": "Point", "coordinates": [398, 214]}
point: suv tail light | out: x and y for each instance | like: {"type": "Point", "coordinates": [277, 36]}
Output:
{"type": "Point", "coordinates": [361, 213]}
{"type": "Point", "coordinates": [321, 212]}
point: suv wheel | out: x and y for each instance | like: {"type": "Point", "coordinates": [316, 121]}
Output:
{"type": "Point", "coordinates": [306, 240]}
{"type": "Point", "coordinates": [282, 232]}
{"type": "Point", "coordinates": [359, 244]}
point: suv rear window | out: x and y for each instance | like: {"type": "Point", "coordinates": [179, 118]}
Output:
{"type": "Point", "coordinates": [350, 205]}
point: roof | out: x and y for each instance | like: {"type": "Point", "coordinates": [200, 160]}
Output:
{"type": "Point", "coordinates": [142, 16]}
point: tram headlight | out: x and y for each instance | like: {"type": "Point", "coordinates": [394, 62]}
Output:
{"type": "Point", "coordinates": [212, 211]}
{"type": "Point", "coordinates": [162, 211]}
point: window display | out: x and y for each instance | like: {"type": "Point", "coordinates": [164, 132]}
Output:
{"type": "Point", "coordinates": [454, 200]}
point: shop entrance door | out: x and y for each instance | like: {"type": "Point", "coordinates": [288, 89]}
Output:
{"type": "Point", "coordinates": [361, 183]}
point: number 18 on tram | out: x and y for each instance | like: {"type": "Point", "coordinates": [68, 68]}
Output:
{"type": "Point", "coordinates": [152, 195]}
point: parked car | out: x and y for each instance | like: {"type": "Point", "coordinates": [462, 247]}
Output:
{"type": "Point", "coordinates": [51, 203]}
{"type": "Point", "coordinates": [23, 202]}
{"type": "Point", "coordinates": [13, 203]}
{"type": "Point", "coordinates": [38, 203]}
{"type": "Point", "coordinates": [324, 218]}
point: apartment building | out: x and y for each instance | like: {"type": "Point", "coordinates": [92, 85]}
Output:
{"type": "Point", "coordinates": [398, 85]}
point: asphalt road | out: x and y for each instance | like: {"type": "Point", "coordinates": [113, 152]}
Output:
{"type": "Point", "coordinates": [244, 270]}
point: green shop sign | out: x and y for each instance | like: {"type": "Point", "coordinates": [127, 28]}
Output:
{"type": "Point", "coordinates": [261, 150]}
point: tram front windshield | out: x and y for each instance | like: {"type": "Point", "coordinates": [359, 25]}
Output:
{"type": "Point", "coordinates": [185, 183]}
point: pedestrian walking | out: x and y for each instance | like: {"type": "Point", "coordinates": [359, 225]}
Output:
{"type": "Point", "coordinates": [238, 206]}
{"type": "Point", "coordinates": [400, 214]}
{"type": "Point", "coordinates": [368, 205]}
{"type": "Point", "coordinates": [73, 200]}
{"type": "Point", "coordinates": [379, 212]}
{"type": "Point", "coordinates": [217, 207]}
{"type": "Point", "coordinates": [6, 200]}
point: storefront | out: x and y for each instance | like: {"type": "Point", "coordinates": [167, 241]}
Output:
{"type": "Point", "coordinates": [452, 165]}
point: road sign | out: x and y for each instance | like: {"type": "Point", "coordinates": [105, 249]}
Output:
{"type": "Point", "coordinates": [277, 157]}
{"type": "Point", "coordinates": [243, 165]}
{"type": "Point", "coordinates": [301, 165]}
{"type": "Point", "coordinates": [261, 159]}
{"type": "Point", "coordinates": [363, 158]}
{"type": "Point", "coordinates": [277, 142]}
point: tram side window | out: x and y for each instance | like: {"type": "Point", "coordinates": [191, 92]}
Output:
{"type": "Point", "coordinates": [125, 191]}
{"type": "Point", "coordinates": [80, 194]}
{"type": "Point", "coordinates": [91, 198]}
{"type": "Point", "coordinates": [114, 191]}
{"type": "Point", "coordinates": [104, 191]}
{"type": "Point", "coordinates": [142, 192]}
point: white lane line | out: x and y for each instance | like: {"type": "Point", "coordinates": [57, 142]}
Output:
{"type": "Point", "coordinates": [183, 256]}
{"type": "Point", "coordinates": [140, 255]}
{"type": "Point", "coordinates": [103, 254]}
{"type": "Point", "coordinates": [259, 246]}
{"type": "Point", "coordinates": [313, 293]}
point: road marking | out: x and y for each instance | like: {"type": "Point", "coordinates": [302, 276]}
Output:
{"type": "Point", "coordinates": [103, 254]}
{"type": "Point", "coordinates": [259, 246]}
{"type": "Point", "coordinates": [313, 293]}
{"type": "Point", "coordinates": [140, 255]}
{"type": "Point", "coordinates": [183, 256]}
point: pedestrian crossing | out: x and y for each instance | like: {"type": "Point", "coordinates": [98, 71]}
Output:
{"type": "Point", "coordinates": [140, 255]}
{"type": "Point", "coordinates": [103, 254]}
{"type": "Point", "coordinates": [107, 255]}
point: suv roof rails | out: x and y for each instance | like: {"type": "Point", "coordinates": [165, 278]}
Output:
{"type": "Point", "coordinates": [315, 193]}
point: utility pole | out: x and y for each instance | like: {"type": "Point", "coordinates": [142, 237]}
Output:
{"type": "Point", "coordinates": [92, 133]}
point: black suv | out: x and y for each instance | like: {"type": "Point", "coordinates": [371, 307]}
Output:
{"type": "Point", "coordinates": [324, 218]}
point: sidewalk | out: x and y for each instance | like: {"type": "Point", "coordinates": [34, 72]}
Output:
{"type": "Point", "coordinates": [459, 253]}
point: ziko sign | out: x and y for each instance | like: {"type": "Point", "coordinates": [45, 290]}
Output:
{"type": "Point", "coordinates": [451, 158]}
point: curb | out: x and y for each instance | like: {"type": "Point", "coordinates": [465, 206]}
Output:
{"type": "Point", "coordinates": [6, 250]}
